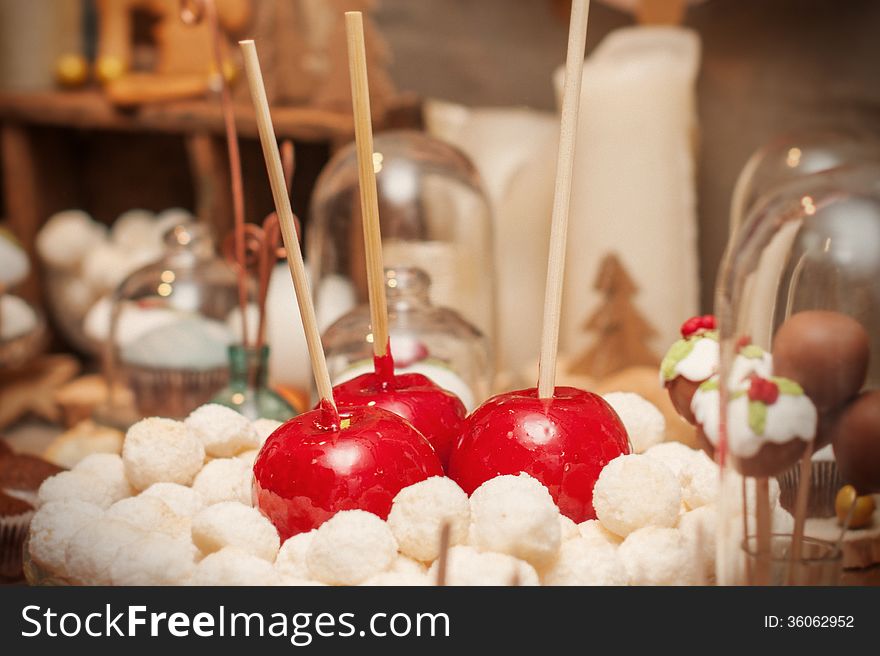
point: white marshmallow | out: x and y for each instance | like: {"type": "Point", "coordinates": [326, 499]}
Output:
{"type": "Point", "coordinates": [643, 421]}
{"type": "Point", "coordinates": [467, 566]}
{"type": "Point", "coordinates": [182, 500]}
{"type": "Point", "coordinates": [657, 556]}
{"type": "Point", "coordinates": [419, 512]}
{"type": "Point", "coordinates": [634, 491]}
{"type": "Point", "coordinates": [225, 479]}
{"type": "Point", "coordinates": [232, 524]}
{"type": "Point", "coordinates": [516, 515]}
{"type": "Point", "coordinates": [350, 547]}
{"type": "Point", "coordinates": [580, 562]}
{"type": "Point", "coordinates": [52, 527]}
{"type": "Point", "coordinates": [161, 451]}
{"type": "Point", "coordinates": [233, 567]}
{"type": "Point", "coordinates": [222, 430]}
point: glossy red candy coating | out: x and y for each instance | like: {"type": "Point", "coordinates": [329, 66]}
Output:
{"type": "Point", "coordinates": [697, 324]}
{"type": "Point", "coordinates": [564, 442]}
{"type": "Point", "coordinates": [437, 413]}
{"type": "Point", "coordinates": [308, 469]}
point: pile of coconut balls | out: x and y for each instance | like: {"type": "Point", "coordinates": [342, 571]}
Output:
{"type": "Point", "coordinates": [176, 509]}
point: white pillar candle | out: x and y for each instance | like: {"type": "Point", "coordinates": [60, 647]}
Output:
{"type": "Point", "coordinates": [633, 190]}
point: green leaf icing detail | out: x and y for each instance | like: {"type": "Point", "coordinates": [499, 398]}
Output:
{"type": "Point", "coordinates": [676, 353]}
{"type": "Point", "coordinates": [710, 385]}
{"type": "Point", "coordinates": [787, 386]}
{"type": "Point", "coordinates": [752, 352]}
{"type": "Point", "coordinates": [757, 417]}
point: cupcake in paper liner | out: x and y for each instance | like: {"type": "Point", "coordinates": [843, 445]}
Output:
{"type": "Point", "coordinates": [15, 517]}
{"type": "Point", "coordinates": [770, 423]}
{"type": "Point", "coordinates": [177, 367]}
{"type": "Point", "coordinates": [825, 481]}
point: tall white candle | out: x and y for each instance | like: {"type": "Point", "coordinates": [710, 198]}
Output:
{"type": "Point", "coordinates": [633, 190]}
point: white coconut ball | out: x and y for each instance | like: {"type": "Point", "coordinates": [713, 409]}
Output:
{"type": "Point", "coordinates": [581, 562]}
{"type": "Point", "coordinates": [79, 486]}
{"type": "Point", "coordinates": [182, 500]}
{"type": "Point", "coordinates": [232, 524]}
{"type": "Point", "coordinates": [568, 529]}
{"type": "Point", "coordinates": [249, 457]}
{"type": "Point", "coordinates": [643, 421]}
{"type": "Point", "coordinates": [291, 559]}
{"type": "Point", "coordinates": [593, 532]}
{"type": "Point", "coordinates": [407, 565]}
{"type": "Point", "coordinates": [233, 567]}
{"type": "Point", "coordinates": [135, 229]}
{"type": "Point", "coordinates": [150, 514]}
{"type": "Point", "coordinates": [52, 527]}
{"type": "Point", "coordinates": [468, 566]}
{"type": "Point", "coordinates": [18, 318]}
{"type": "Point", "coordinates": [67, 237]}
{"type": "Point", "coordinates": [698, 527]}
{"type": "Point", "coordinates": [350, 547]}
{"type": "Point", "coordinates": [106, 265]}
{"type": "Point", "coordinates": [224, 479]}
{"type": "Point", "coordinates": [156, 560]}
{"type": "Point", "coordinates": [264, 428]}
{"type": "Point", "coordinates": [516, 515]}
{"type": "Point", "coordinates": [161, 451]}
{"type": "Point", "coordinates": [419, 512]}
{"type": "Point", "coordinates": [675, 455]}
{"type": "Point", "coordinates": [699, 481]}
{"type": "Point", "coordinates": [109, 469]}
{"type": "Point", "coordinates": [634, 491]}
{"type": "Point", "coordinates": [657, 556]}
{"type": "Point", "coordinates": [222, 430]}
{"type": "Point", "coordinates": [91, 550]}
{"type": "Point", "coordinates": [14, 263]}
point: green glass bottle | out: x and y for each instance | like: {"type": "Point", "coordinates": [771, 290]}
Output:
{"type": "Point", "coordinates": [248, 391]}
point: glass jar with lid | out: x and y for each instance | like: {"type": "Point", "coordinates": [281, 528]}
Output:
{"type": "Point", "coordinates": [434, 215]}
{"type": "Point", "coordinates": [434, 341]}
{"type": "Point", "coordinates": [169, 327]}
{"type": "Point", "coordinates": [799, 284]}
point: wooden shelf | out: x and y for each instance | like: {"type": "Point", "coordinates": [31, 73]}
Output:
{"type": "Point", "coordinates": [89, 110]}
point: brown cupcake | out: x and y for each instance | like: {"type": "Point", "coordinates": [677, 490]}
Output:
{"type": "Point", "coordinates": [21, 475]}
{"type": "Point", "coordinates": [15, 517]}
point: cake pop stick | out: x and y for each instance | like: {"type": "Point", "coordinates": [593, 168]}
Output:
{"type": "Point", "coordinates": [287, 223]}
{"type": "Point", "coordinates": [762, 530]}
{"type": "Point", "coordinates": [363, 131]}
{"type": "Point", "coordinates": [577, 37]}
{"type": "Point", "coordinates": [800, 509]}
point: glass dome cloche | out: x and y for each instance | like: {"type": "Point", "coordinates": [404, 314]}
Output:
{"type": "Point", "coordinates": [434, 341]}
{"type": "Point", "coordinates": [794, 411]}
{"type": "Point", "coordinates": [434, 215]}
{"type": "Point", "coordinates": [170, 327]}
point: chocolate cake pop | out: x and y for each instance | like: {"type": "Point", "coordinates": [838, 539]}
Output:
{"type": "Point", "coordinates": [826, 352]}
{"type": "Point", "coordinates": [563, 442]}
{"type": "Point", "coordinates": [770, 423]}
{"type": "Point", "coordinates": [435, 412]}
{"type": "Point", "coordinates": [856, 439]}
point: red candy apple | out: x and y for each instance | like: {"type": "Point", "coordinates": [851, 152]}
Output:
{"type": "Point", "coordinates": [564, 442]}
{"type": "Point", "coordinates": [437, 413]}
{"type": "Point", "coordinates": [316, 465]}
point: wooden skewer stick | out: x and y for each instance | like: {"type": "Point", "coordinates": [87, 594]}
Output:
{"type": "Point", "coordinates": [286, 220]}
{"type": "Point", "coordinates": [574, 63]}
{"type": "Point", "coordinates": [762, 531]}
{"type": "Point", "coordinates": [363, 132]}
{"type": "Point", "coordinates": [800, 510]}
{"type": "Point", "coordinates": [443, 558]}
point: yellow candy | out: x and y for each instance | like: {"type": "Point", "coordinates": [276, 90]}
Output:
{"type": "Point", "coordinates": [109, 68]}
{"type": "Point", "coordinates": [71, 70]}
{"type": "Point", "coordinates": [863, 511]}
